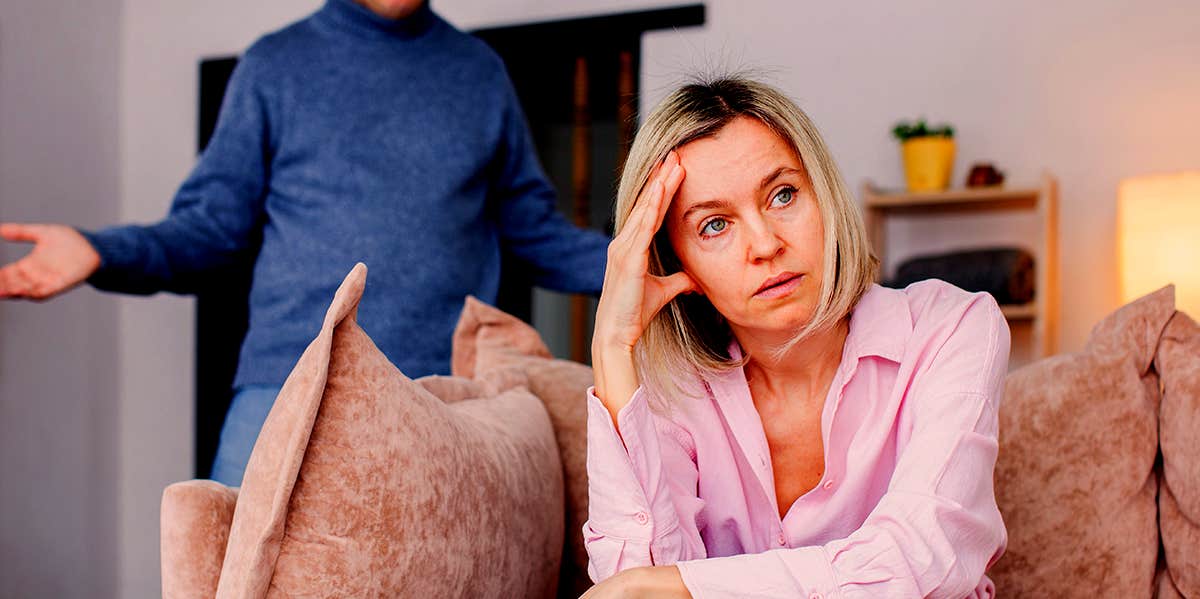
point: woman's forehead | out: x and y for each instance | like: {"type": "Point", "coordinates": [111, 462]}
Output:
{"type": "Point", "coordinates": [737, 159]}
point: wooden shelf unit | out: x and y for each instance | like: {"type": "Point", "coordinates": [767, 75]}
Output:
{"type": "Point", "coordinates": [1042, 201]}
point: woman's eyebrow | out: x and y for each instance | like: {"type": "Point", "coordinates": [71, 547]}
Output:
{"type": "Point", "coordinates": [775, 174]}
{"type": "Point", "coordinates": [710, 204]}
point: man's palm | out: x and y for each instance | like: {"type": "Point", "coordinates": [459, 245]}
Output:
{"type": "Point", "coordinates": [61, 259]}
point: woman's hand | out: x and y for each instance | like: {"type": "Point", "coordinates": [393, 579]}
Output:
{"type": "Point", "coordinates": [655, 582]}
{"type": "Point", "coordinates": [61, 259]}
{"type": "Point", "coordinates": [631, 295]}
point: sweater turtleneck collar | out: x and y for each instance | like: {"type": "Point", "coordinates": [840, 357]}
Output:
{"type": "Point", "coordinates": [351, 15]}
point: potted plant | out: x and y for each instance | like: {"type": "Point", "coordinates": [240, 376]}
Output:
{"type": "Point", "coordinates": [928, 154]}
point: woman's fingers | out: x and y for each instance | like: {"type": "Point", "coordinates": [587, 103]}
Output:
{"type": "Point", "coordinates": [666, 289]}
{"type": "Point", "coordinates": [653, 207]}
{"type": "Point", "coordinates": [670, 187]}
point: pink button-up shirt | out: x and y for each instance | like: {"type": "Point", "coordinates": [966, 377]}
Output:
{"type": "Point", "coordinates": [905, 507]}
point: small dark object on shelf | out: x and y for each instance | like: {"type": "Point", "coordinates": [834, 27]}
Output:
{"type": "Point", "coordinates": [983, 174]}
{"type": "Point", "coordinates": [1006, 273]}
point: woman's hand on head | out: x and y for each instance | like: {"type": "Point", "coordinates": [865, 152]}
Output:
{"type": "Point", "coordinates": [631, 295]}
{"type": "Point", "coordinates": [61, 259]}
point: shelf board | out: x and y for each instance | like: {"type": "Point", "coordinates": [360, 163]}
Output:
{"type": "Point", "coordinates": [883, 199]}
{"type": "Point", "coordinates": [1019, 311]}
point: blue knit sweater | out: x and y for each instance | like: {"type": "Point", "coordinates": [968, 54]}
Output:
{"type": "Point", "coordinates": [347, 137]}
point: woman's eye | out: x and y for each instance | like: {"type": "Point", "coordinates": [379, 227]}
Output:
{"type": "Point", "coordinates": [713, 227]}
{"type": "Point", "coordinates": [784, 197]}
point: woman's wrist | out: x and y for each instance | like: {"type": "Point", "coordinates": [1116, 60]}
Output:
{"type": "Point", "coordinates": [615, 376]}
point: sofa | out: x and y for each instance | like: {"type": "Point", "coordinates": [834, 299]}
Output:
{"type": "Point", "coordinates": [365, 483]}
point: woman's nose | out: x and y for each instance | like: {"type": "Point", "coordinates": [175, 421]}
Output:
{"type": "Point", "coordinates": [764, 243]}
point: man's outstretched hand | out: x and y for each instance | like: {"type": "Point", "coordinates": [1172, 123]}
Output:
{"type": "Point", "coordinates": [60, 260]}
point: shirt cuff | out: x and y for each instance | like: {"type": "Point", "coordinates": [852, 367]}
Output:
{"type": "Point", "coordinates": [627, 495]}
{"type": "Point", "coordinates": [803, 572]}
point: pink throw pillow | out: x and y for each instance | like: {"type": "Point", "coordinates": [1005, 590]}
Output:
{"type": "Point", "coordinates": [1178, 365]}
{"type": "Point", "coordinates": [364, 483]}
{"type": "Point", "coordinates": [489, 346]}
{"type": "Point", "coordinates": [1075, 477]}
{"type": "Point", "coordinates": [195, 517]}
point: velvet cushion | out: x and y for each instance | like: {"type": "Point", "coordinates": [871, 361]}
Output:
{"type": "Point", "coordinates": [364, 483]}
{"type": "Point", "coordinates": [1075, 476]}
{"type": "Point", "coordinates": [1178, 365]}
{"type": "Point", "coordinates": [195, 517]}
{"type": "Point", "coordinates": [489, 345]}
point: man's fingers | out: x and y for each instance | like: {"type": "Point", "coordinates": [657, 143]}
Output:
{"type": "Point", "coordinates": [14, 282]}
{"type": "Point", "coordinates": [18, 232]}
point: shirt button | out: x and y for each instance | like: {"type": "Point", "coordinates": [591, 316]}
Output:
{"type": "Point", "coordinates": [828, 485]}
{"type": "Point", "coordinates": [816, 595]}
{"type": "Point", "coordinates": [782, 540]}
{"type": "Point", "coordinates": [641, 518]}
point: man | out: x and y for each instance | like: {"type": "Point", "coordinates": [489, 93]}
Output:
{"type": "Point", "coordinates": [369, 131]}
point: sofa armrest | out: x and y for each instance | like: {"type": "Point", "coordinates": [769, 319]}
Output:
{"type": "Point", "coordinates": [196, 517]}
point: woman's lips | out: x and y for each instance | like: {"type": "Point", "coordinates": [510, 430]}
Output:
{"type": "Point", "coordinates": [778, 286]}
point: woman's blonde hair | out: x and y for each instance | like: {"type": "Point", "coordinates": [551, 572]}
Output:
{"type": "Point", "coordinates": [688, 335]}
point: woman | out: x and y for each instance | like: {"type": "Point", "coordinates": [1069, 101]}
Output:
{"type": "Point", "coordinates": [766, 421]}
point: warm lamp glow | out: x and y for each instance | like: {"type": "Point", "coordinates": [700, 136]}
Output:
{"type": "Point", "coordinates": [1158, 237]}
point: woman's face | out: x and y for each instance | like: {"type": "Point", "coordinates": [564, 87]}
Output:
{"type": "Point", "coordinates": [746, 227]}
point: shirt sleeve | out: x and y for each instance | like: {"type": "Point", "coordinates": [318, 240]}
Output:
{"type": "Point", "coordinates": [563, 257]}
{"type": "Point", "coordinates": [217, 214]}
{"type": "Point", "coordinates": [642, 490]}
{"type": "Point", "coordinates": [937, 528]}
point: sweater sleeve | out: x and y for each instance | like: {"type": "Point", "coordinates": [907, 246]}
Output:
{"type": "Point", "coordinates": [937, 528]}
{"type": "Point", "coordinates": [216, 215]}
{"type": "Point", "coordinates": [642, 490]}
{"type": "Point", "coordinates": [563, 257]}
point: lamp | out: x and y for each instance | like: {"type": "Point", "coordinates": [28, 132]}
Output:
{"type": "Point", "coordinates": [1158, 237]}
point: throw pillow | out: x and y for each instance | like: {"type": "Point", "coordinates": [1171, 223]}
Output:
{"type": "Point", "coordinates": [1178, 365]}
{"type": "Point", "coordinates": [1075, 475]}
{"type": "Point", "coordinates": [364, 483]}
{"type": "Point", "coordinates": [195, 517]}
{"type": "Point", "coordinates": [489, 346]}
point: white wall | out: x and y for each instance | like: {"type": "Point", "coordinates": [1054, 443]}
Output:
{"type": "Point", "coordinates": [162, 44]}
{"type": "Point", "coordinates": [58, 387]}
{"type": "Point", "coordinates": [1090, 91]}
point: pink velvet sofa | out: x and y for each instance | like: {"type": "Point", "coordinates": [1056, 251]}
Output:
{"type": "Point", "coordinates": [365, 483]}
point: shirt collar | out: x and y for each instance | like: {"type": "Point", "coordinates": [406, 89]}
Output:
{"type": "Point", "coordinates": [880, 325]}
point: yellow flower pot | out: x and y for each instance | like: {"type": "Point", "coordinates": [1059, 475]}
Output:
{"type": "Point", "coordinates": [928, 162]}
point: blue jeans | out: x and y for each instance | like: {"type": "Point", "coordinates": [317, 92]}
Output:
{"type": "Point", "coordinates": [246, 416]}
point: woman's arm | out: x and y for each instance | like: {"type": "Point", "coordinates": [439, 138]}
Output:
{"type": "Point", "coordinates": [631, 295]}
{"type": "Point", "coordinates": [642, 491]}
